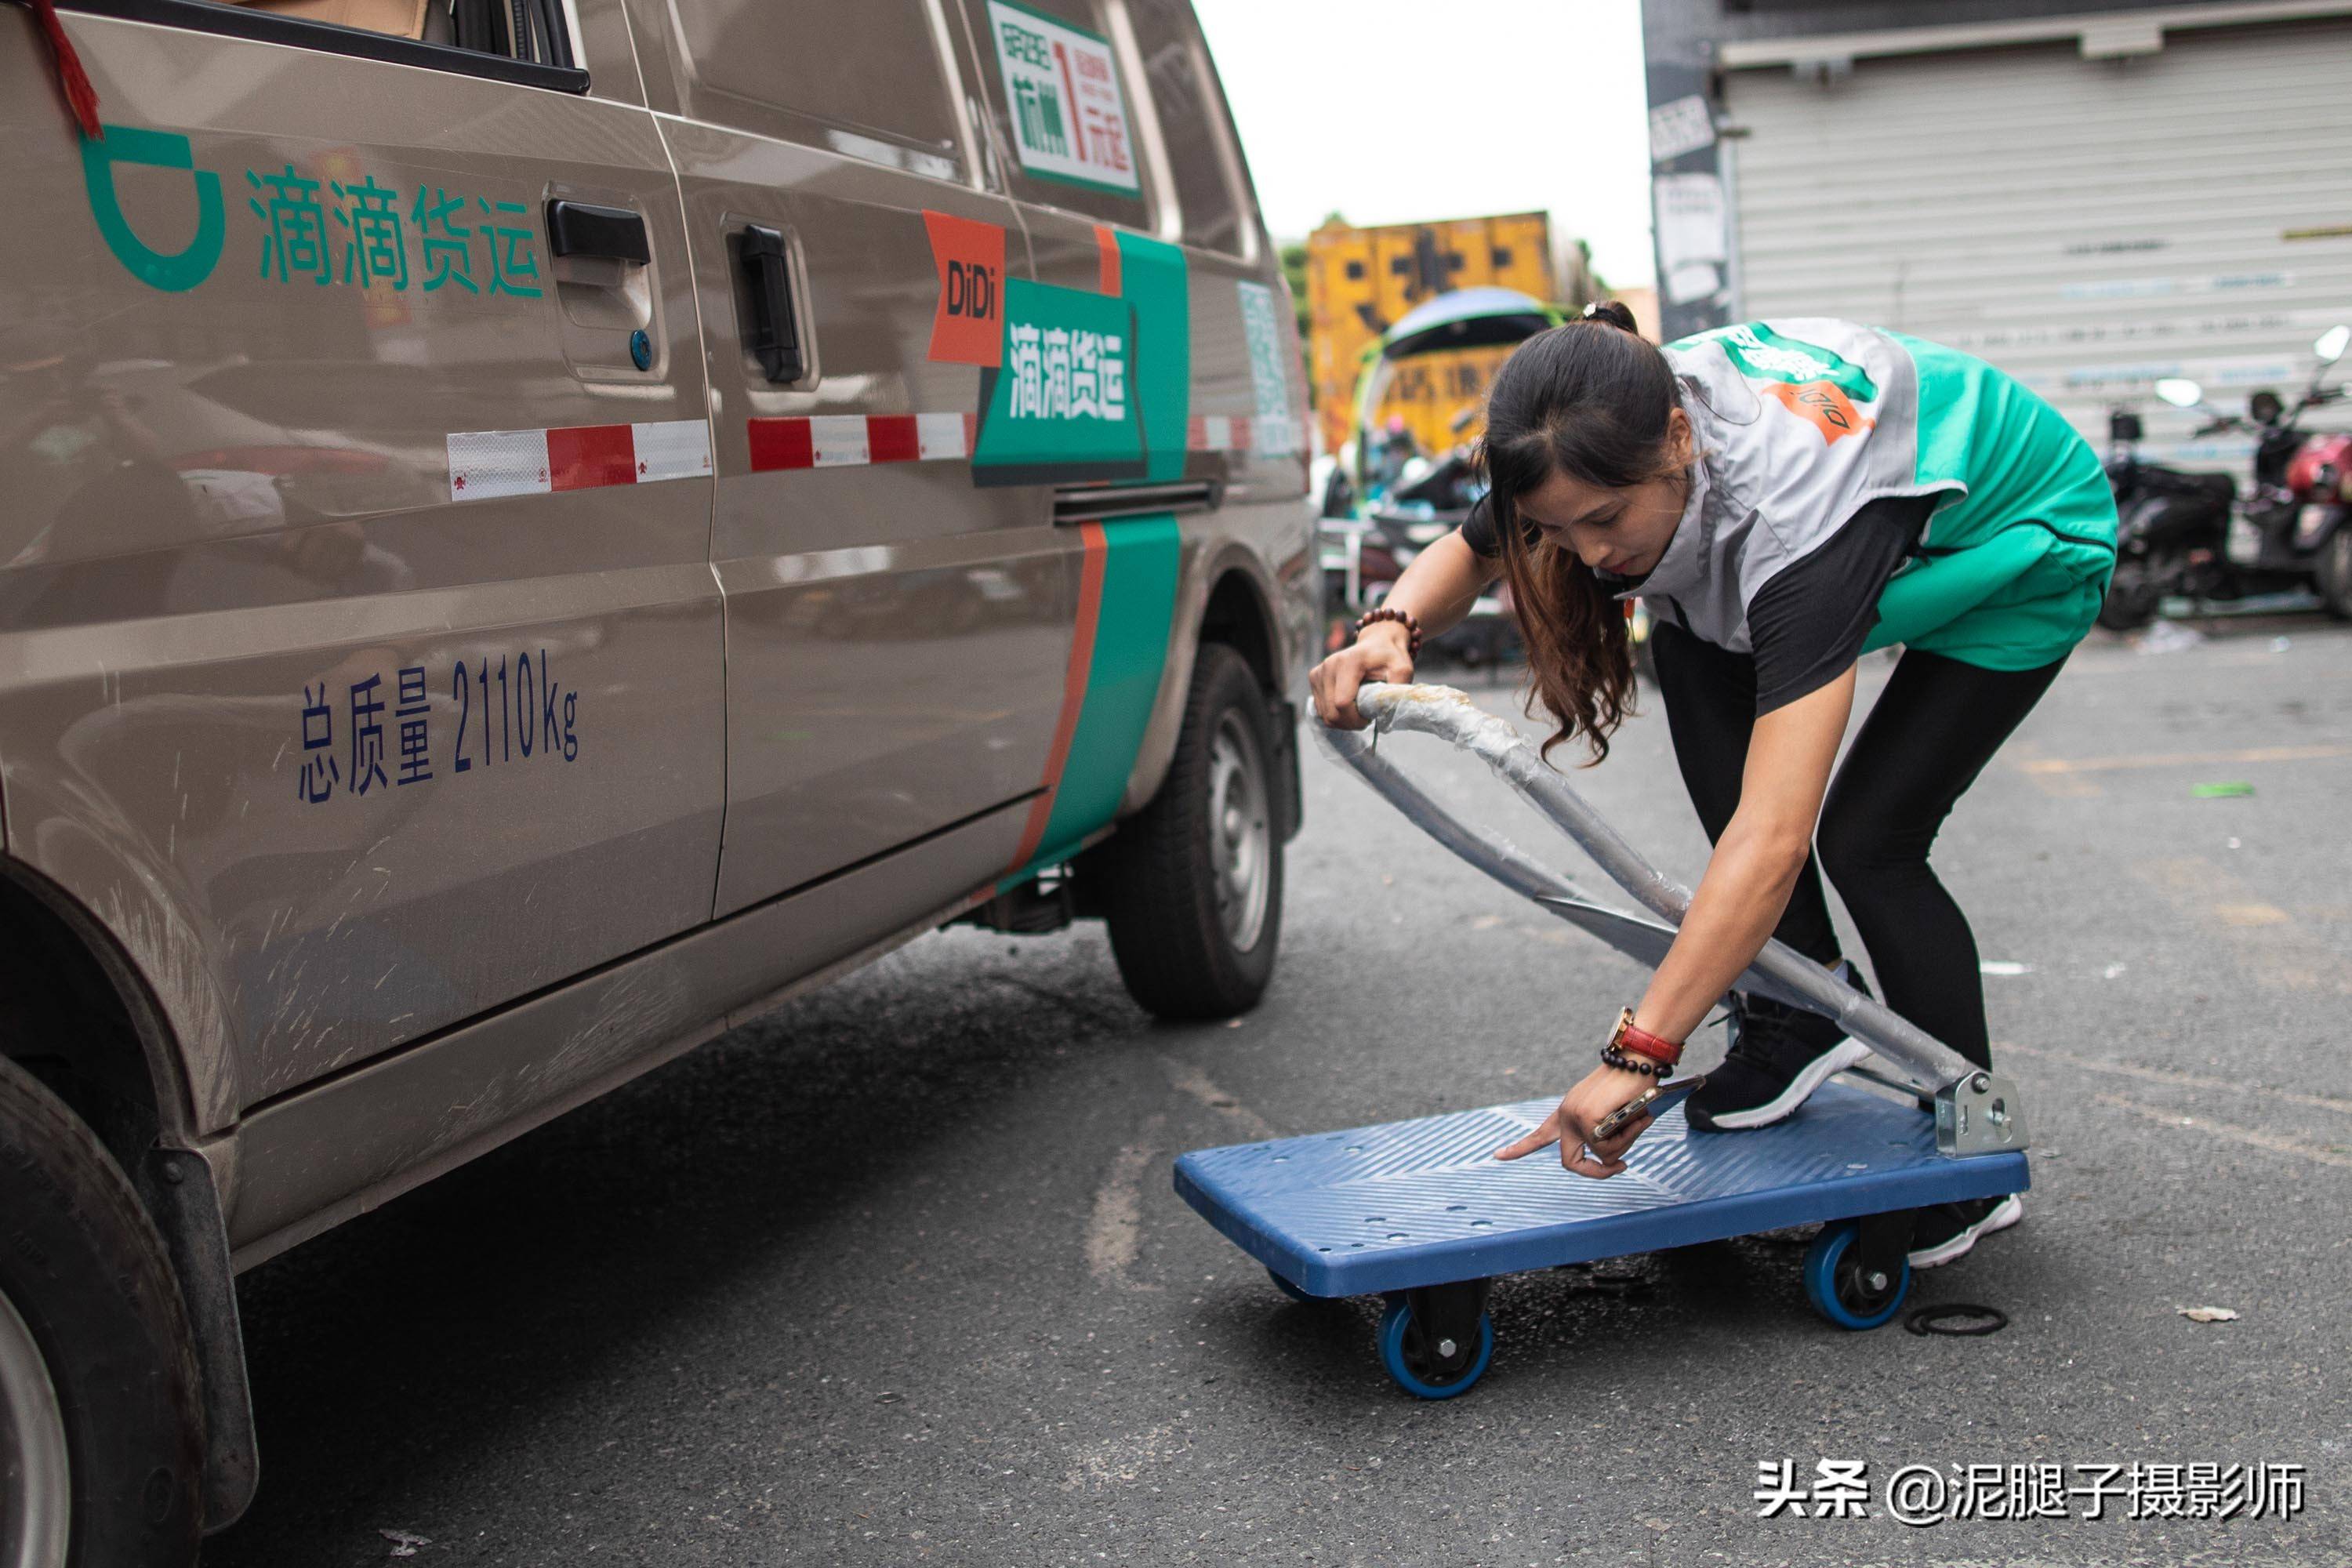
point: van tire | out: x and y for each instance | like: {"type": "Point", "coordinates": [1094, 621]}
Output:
{"type": "Point", "coordinates": [1158, 877]}
{"type": "Point", "coordinates": [84, 1270]}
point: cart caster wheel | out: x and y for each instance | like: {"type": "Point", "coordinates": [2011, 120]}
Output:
{"type": "Point", "coordinates": [1431, 1372]}
{"type": "Point", "coordinates": [1835, 1286]}
{"type": "Point", "coordinates": [1293, 1292]}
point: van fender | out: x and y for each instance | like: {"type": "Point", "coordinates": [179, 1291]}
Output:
{"type": "Point", "coordinates": [181, 1180]}
{"type": "Point", "coordinates": [121, 903]}
{"type": "Point", "coordinates": [1205, 565]}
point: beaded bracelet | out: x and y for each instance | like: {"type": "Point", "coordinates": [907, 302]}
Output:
{"type": "Point", "coordinates": [1625, 1062]}
{"type": "Point", "coordinates": [1404, 618]}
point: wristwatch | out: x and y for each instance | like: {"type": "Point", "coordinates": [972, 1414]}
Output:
{"type": "Point", "coordinates": [1640, 1042]}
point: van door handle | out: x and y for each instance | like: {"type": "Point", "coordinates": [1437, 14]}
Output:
{"type": "Point", "coordinates": [771, 332]}
{"type": "Point", "coordinates": [579, 228]}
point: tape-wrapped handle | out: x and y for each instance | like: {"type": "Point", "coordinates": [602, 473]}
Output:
{"type": "Point", "coordinates": [1779, 970]}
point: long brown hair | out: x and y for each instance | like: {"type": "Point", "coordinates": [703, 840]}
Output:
{"type": "Point", "coordinates": [1591, 400]}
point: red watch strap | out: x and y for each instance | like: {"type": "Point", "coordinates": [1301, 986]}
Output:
{"type": "Point", "coordinates": [1637, 1041]}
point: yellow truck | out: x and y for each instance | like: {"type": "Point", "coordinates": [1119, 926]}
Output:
{"type": "Point", "coordinates": [1362, 281]}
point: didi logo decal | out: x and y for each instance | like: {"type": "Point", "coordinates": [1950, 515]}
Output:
{"type": "Point", "coordinates": [1824, 405]}
{"type": "Point", "coordinates": [174, 271]}
{"type": "Point", "coordinates": [968, 327]}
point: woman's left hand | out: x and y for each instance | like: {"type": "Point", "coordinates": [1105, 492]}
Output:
{"type": "Point", "coordinates": [1570, 1125]}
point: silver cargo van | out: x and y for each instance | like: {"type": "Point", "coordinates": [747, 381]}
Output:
{"type": "Point", "coordinates": [531, 531]}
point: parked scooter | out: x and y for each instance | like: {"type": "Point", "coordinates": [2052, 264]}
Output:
{"type": "Point", "coordinates": [2123, 463]}
{"type": "Point", "coordinates": [2319, 477]}
{"type": "Point", "coordinates": [1364, 555]}
{"type": "Point", "coordinates": [1385, 500]}
{"type": "Point", "coordinates": [2193, 535]}
{"type": "Point", "coordinates": [1378, 512]}
{"type": "Point", "coordinates": [2170, 523]}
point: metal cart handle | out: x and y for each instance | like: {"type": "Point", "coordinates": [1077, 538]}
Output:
{"type": "Point", "coordinates": [1975, 1111]}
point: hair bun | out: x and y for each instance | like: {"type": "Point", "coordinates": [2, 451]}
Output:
{"type": "Point", "coordinates": [1615, 312]}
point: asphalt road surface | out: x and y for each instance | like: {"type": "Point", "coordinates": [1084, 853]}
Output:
{"type": "Point", "coordinates": [897, 1275]}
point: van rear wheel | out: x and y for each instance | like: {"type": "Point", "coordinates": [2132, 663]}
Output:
{"type": "Point", "coordinates": [101, 1439]}
{"type": "Point", "coordinates": [1191, 886]}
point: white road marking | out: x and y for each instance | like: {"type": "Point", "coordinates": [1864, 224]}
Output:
{"type": "Point", "coordinates": [1115, 1230]}
{"type": "Point", "coordinates": [2277, 1143]}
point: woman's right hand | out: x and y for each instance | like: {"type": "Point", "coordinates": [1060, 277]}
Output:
{"type": "Point", "coordinates": [1383, 651]}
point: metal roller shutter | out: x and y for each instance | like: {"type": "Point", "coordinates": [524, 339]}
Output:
{"type": "Point", "coordinates": [2087, 224]}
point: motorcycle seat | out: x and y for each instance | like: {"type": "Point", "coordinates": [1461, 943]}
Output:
{"type": "Point", "coordinates": [2218, 488]}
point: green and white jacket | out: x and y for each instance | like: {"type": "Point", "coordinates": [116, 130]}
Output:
{"type": "Point", "coordinates": [1801, 422]}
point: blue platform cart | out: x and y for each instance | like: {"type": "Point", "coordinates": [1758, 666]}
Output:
{"type": "Point", "coordinates": [1420, 1212]}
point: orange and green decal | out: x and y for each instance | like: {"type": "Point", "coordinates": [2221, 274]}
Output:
{"type": "Point", "coordinates": [1091, 385]}
{"type": "Point", "coordinates": [1106, 258]}
{"type": "Point", "coordinates": [1118, 650]}
{"type": "Point", "coordinates": [1763, 354]}
{"type": "Point", "coordinates": [1074, 383]}
{"type": "Point", "coordinates": [1064, 404]}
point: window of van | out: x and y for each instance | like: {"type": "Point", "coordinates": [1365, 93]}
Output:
{"type": "Point", "coordinates": [1064, 109]}
{"type": "Point", "coordinates": [868, 67]}
{"type": "Point", "coordinates": [525, 41]}
{"type": "Point", "coordinates": [1191, 107]}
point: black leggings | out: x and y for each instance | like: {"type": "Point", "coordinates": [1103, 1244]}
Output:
{"type": "Point", "coordinates": [1931, 732]}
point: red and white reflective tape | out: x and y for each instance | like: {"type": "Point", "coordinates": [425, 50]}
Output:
{"type": "Point", "coordinates": [859, 440]}
{"type": "Point", "coordinates": [1237, 433]}
{"type": "Point", "coordinates": [486, 464]}
{"type": "Point", "coordinates": [483, 464]}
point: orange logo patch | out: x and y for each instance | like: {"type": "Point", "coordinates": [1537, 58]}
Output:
{"type": "Point", "coordinates": [967, 328]}
{"type": "Point", "coordinates": [1824, 405]}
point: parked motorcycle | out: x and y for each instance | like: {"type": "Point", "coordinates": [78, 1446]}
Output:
{"type": "Point", "coordinates": [1385, 500]}
{"type": "Point", "coordinates": [2194, 535]}
{"type": "Point", "coordinates": [2123, 465]}
{"type": "Point", "coordinates": [1364, 554]}
{"type": "Point", "coordinates": [2320, 478]}
{"type": "Point", "coordinates": [2170, 522]}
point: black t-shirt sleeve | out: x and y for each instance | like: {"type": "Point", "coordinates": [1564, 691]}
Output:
{"type": "Point", "coordinates": [1478, 529]}
{"type": "Point", "coordinates": [1479, 532]}
{"type": "Point", "coordinates": [1808, 624]}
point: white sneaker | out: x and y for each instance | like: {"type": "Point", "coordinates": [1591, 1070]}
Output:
{"type": "Point", "coordinates": [1946, 1231]}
